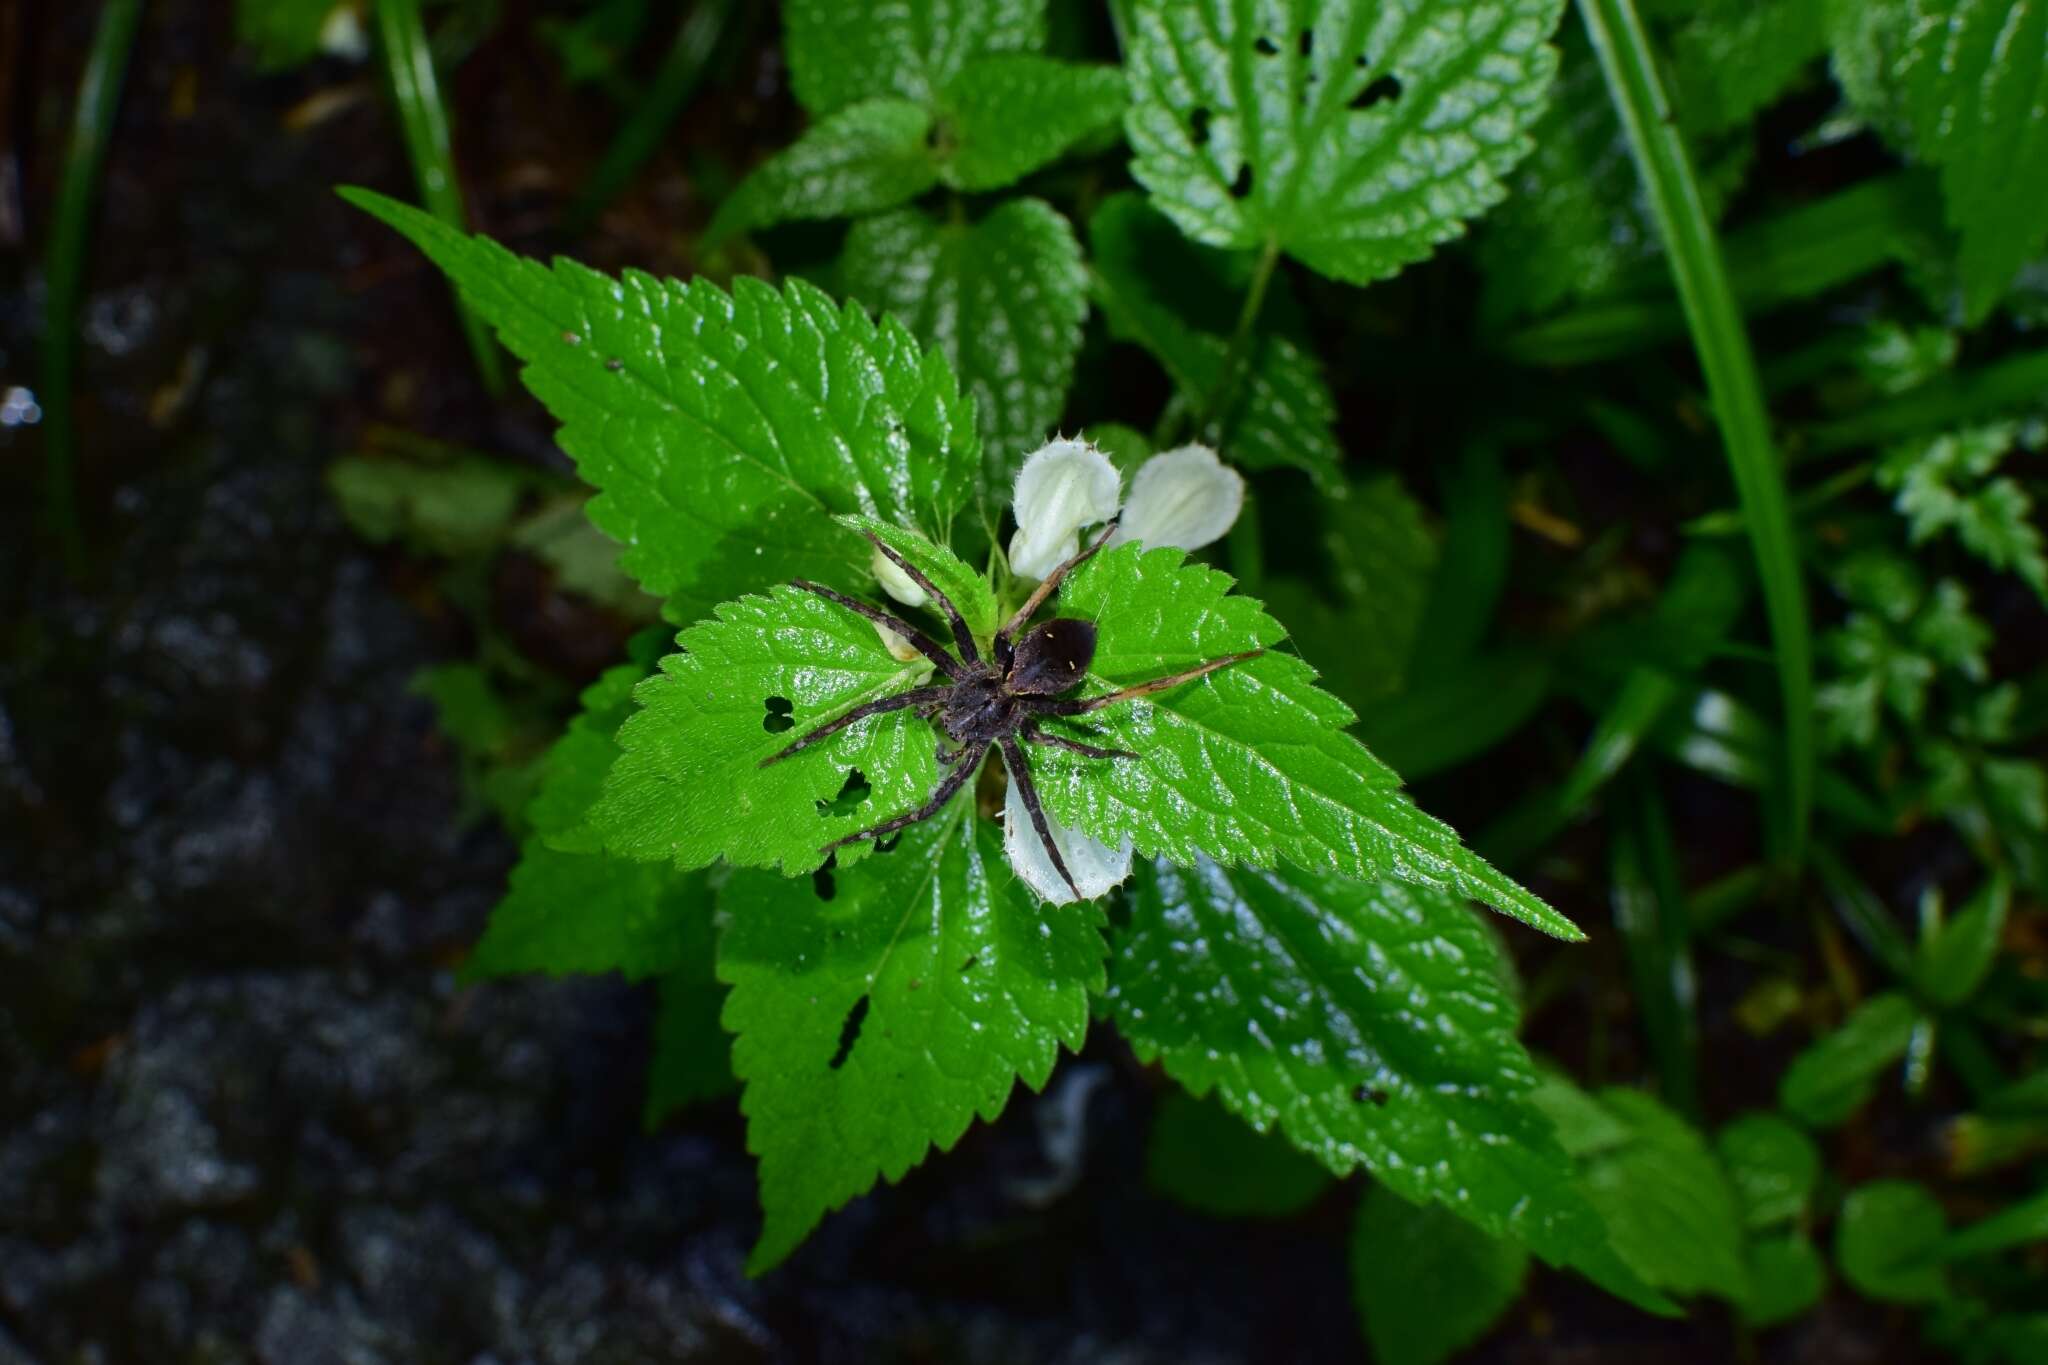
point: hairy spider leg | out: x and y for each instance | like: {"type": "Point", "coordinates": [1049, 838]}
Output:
{"type": "Point", "coordinates": [1076, 706]}
{"type": "Point", "coordinates": [921, 642]}
{"type": "Point", "coordinates": [967, 762]}
{"type": "Point", "coordinates": [1027, 792]}
{"type": "Point", "coordinates": [917, 696]}
{"type": "Point", "coordinates": [1034, 734]}
{"type": "Point", "coordinates": [962, 637]}
{"type": "Point", "coordinates": [1006, 637]}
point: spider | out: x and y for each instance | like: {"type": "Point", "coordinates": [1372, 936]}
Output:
{"type": "Point", "coordinates": [984, 704]}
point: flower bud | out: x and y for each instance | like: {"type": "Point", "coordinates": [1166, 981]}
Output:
{"type": "Point", "coordinates": [894, 581]}
{"type": "Point", "coordinates": [1063, 486]}
{"type": "Point", "coordinates": [1096, 866]}
{"type": "Point", "coordinates": [900, 649]}
{"type": "Point", "coordinates": [1185, 497]}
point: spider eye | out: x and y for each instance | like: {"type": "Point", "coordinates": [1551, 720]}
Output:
{"type": "Point", "coordinates": [1053, 657]}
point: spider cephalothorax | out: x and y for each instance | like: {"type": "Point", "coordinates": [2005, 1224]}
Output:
{"type": "Point", "coordinates": [996, 703]}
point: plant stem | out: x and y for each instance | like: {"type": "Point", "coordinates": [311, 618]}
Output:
{"type": "Point", "coordinates": [1723, 347]}
{"type": "Point", "coordinates": [1236, 358]}
{"type": "Point", "coordinates": [681, 71]}
{"type": "Point", "coordinates": [99, 97]}
{"type": "Point", "coordinates": [409, 61]}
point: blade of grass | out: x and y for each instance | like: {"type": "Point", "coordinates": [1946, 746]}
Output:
{"type": "Point", "coordinates": [681, 70]}
{"type": "Point", "coordinates": [92, 124]}
{"type": "Point", "coordinates": [1650, 911]}
{"type": "Point", "coordinates": [409, 61]}
{"type": "Point", "coordinates": [1723, 346]}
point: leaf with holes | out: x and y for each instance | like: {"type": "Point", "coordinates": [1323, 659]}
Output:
{"type": "Point", "coordinates": [1354, 134]}
{"type": "Point", "coordinates": [1003, 299]}
{"type": "Point", "coordinates": [844, 51]}
{"type": "Point", "coordinates": [1370, 1023]}
{"type": "Point", "coordinates": [1247, 765]}
{"type": "Point", "coordinates": [691, 787]}
{"type": "Point", "coordinates": [723, 431]}
{"type": "Point", "coordinates": [866, 157]}
{"type": "Point", "coordinates": [882, 1008]}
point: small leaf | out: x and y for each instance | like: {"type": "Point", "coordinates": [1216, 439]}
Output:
{"type": "Point", "coordinates": [1733, 58]}
{"type": "Point", "coordinates": [1837, 1075]}
{"type": "Point", "coordinates": [1885, 1228]}
{"type": "Point", "coordinates": [1427, 1284]}
{"type": "Point", "coordinates": [1356, 134]}
{"type": "Point", "coordinates": [1945, 484]}
{"type": "Point", "coordinates": [692, 1052]}
{"type": "Point", "coordinates": [1369, 1022]}
{"type": "Point", "coordinates": [1209, 1159]}
{"type": "Point", "coordinates": [880, 1011]}
{"type": "Point", "coordinates": [1149, 280]}
{"type": "Point", "coordinates": [1003, 299]}
{"type": "Point", "coordinates": [1787, 1278]}
{"type": "Point", "coordinates": [459, 508]}
{"type": "Point", "coordinates": [723, 432]}
{"type": "Point", "coordinates": [1004, 117]}
{"type": "Point", "coordinates": [1950, 965]}
{"type": "Point", "coordinates": [1669, 1208]}
{"type": "Point", "coordinates": [1248, 764]}
{"type": "Point", "coordinates": [1774, 1166]}
{"type": "Point", "coordinates": [861, 159]}
{"type": "Point", "coordinates": [843, 51]}
{"type": "Point", "coordinates": [2021, 1224]}
{"type": "Point", "coordinates": [284, 33]}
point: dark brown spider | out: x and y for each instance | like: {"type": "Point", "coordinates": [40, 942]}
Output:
{"type": "Point", "coordinates": [984, 704]}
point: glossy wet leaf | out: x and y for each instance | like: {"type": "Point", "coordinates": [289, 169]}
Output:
{"type": "Point", "coordinates": [1149, 281]}
{"type": "Point", "coordinates": [866, 157]}
{"type": "Point", "coordinates": [1250, 764]}
{"type": "Point", "coordinates": [878, 1021]}
{"type": "Point", "coordinates": [1004, 117]}
{"type": "Point", "coordinates": [1357, 134]}
{"type": "Point", "coordinates": [844, 51]}
{"type": "Point", "coordinates": [1668, 1205]}
{"type": "Point", "coordinates": [723, 431]}
{"type": "Point", "coordinates": [1427, 1284]}
{"type": "Point", "coordinates": [1204, 1156]}
{"type": "Point", "coordinates": [1837, 1075]}
{"type": "Point", "coordinates": [1774, 1166]}
{"type": "Point", "coordinates": [1002, 298]}
{"type": "Point", "coordinates": [1881, 1238]}
{"type": "Point", "coordinates": [1368, 1022]}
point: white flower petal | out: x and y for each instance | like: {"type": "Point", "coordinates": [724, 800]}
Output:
{"type": "Point", "coordinates": [900, 649]}
{"type": "Point", "coordinates": [1185, 497]}
{"type": "Point", "coordinates": [894, 581]}
{"type": "Point", "coordinates": [1063, 486]}
{"type": "Point", "coordinates": [1096, 866]}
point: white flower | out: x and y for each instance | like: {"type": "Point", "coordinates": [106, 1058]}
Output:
{"type": "Point", "coordinates": [1185, 497]}
{"type": "Point", "coordinates": [1063, 486]}
{"type": "Point", "coordinates": [894, 581]}
{"type": "Point", "coordinates": [1096, 866]}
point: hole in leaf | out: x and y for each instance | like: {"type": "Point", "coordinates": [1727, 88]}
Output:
{"type": "Point", "coordinates": [777, 715]}
{"type": "Point", "coordinates": [1308, 41]}
{"type": "Point", "coordinates": [1381, 91]}
{"type": "Point", "coordinates": [851, 793]}
{"type": "Point", "coordinates": [1266, 47]}
{"type": "Point", "coordinates": [889, 844]}
{"type": "Point", "coordinates": [968, 965]}
{"type": "Point", "coordinates": [1369, 1094]}
{"type": "Point", "coordinates": [823, 883]}
{"type": "Point", "coordinates": [849, 1032]}
{"type": "Point", "coordinates": [1198, 127]}
{"type": "Point", "coordinates": [1242, 186]}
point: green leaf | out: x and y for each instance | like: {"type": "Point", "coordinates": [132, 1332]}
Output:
{"type": "Point", "coordinates": [843, 51]}
{"type": "Point", "coordinates": [1208, 1158]}
{"type": "Point", "coordinates": [1732, 58]}
{"type": "Point", "coordinates": [861, 159]}
{"type": "Point", "coordinates": [1945, 484]}
{"type": "Point", "coordinates": [881, 1009]}
{"type": "Point", "coordinates": [1150, 283]}
{"type": "Point", "coordinates": [1249, 764]}
{"type": "Point", "coordinates": [1003, 299]}
{"type": "Point", "coordinates": [1357, 134]}
{"type": "Point", "coordinates": [1837, 1075]}
{"type": "Point", "coordinates": [284, 33]}
{"type": "Point", "coordinates": [1427, 1284]}
{"type": "Point", "coordinates": [1787, 1278]}
{"type": "Point", "coordinates": [1369, 1021]}
{"type": "Point", "coordinates": [723, 432]}
{"type": "Point", "coordinates": [692, 1052]}
{"type": "Point", "coordinates": [1004, 117]}
{"type": "Point", "coordinates": [1669, 1207]}
{"type": "Point", "coordinates": [575, 766]}
{"type": "Point", "coordinates": [1774, 1166]}
{"type": "Point", "coordinates": [1879, 1240]}
{"type": "Point", "coordinates": [1952, 963]}
{"type": "Point", "coordinates": [2021, 1224]}
{"type": "Point", "coordinates": [460, 508]}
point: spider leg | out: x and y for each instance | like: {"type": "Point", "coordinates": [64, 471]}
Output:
{"type": "Point", "coordinates": [1006, 636]}
{"type": "Point", "coordinates": [1075, 706]}
{"type": "Point", "coordinates": [916, 696]}
{"type": "Point", "coordinates": [969, 762]}
{"type": "Point", "coordinates": [922, 643]}
{"type": "Point", "coordinates": [962, 637]}
{"type": "Point", "coordinates": [1020, 773]}
{"type": "Point", "coordinates": [1033, 734]}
